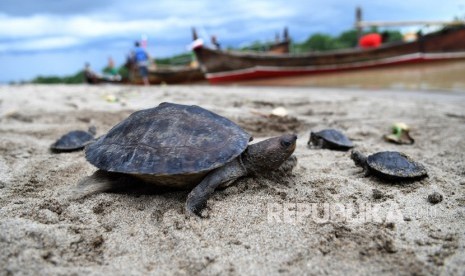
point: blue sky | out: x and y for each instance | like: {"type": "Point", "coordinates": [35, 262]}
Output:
{"type": "Point", "coordinates": [56, 37]}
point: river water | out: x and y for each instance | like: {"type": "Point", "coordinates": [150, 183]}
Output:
{"type": "Point", "coordinates": [432, 76]}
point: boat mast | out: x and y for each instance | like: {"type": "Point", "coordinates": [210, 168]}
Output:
{"type": "Point", "coordinates": [358, 20]}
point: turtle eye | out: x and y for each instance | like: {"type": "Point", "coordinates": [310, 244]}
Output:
{"type": "Point", "coordinates": [285, 143]}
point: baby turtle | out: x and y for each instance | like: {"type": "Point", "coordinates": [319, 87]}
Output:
{"type": "Point", "coordinates": [74, 140]}
{"type": "Point", "coordinates": [390, 165]}
{"type": "Point", "coordinates": [330, 139]}
{"type": "Point", "coordinates": [183, 146]}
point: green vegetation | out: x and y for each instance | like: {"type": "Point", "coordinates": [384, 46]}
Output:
{"type": "Point", "coordinates": [76, 78]}
{"type": "Point", "coordinates": [181, 59]}
{"type": "Point", "coordinates": [256, 46]}
{"type": "Point", "coordinates": [325, 42]}
{"type": "Point", "coordinates": [348, 39]}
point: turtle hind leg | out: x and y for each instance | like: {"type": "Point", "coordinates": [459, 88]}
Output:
{"type": "Point", "coordinates": [101, 181]}
{"type": "Point", "coordinates": [197, 198]}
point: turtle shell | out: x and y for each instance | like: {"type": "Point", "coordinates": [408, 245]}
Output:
{"type": "Point", "coordinates": [334, 139]}
{"type": "Point", "coordinates": [74, 140]}
{"type": "Point", "coordinates": [394, 164]}
{"type": "Point", "coordinates": [170, 139]}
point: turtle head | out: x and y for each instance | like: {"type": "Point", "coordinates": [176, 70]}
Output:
{"type": "Point", "coordinates": [359, 158]}
{"type": "Point", "coordinates": [270, 153]}
{"type": "Point", "coordinates": [287, 143]}
{"type": "Point", "coordinates": [313, 140]}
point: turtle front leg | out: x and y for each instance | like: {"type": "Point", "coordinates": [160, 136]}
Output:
{"type": "Point", "coordinates": [366, 171]}
{"type": "Point", "coordinates": [316, 142]}
{"type": "Point", "coordinates": [197, 198]}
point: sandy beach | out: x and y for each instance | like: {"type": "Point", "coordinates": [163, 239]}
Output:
{"type": "Point", "coordinates": [280, 223]}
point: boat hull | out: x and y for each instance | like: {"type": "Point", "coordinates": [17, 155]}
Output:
{"type": "Point", "coordinates": [171, 76]}
{"type": "Point", "coordinates": [230, 66]}
{"type": "Point", "coordinates": [258, 72]}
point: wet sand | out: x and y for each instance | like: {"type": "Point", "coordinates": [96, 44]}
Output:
{"type": "Point", "coordinates": [278, 223]}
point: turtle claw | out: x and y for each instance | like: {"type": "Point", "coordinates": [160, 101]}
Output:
{"type": "Point", "coordinates": [191, 214]}
{"type": "Point", "coordinates": [196, 214]}
{"type": "Point", "coordinates": [202, 214]}
{"type": "Point", "coordinates": [195, 205]}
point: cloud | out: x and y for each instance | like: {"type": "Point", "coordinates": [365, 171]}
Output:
{"type": "Point", "coordinates": [51, 32]}
{"type": "Point", "coordinates": [47, 7]}
{"type": "Point", "coordinates": [80, 26]}
{"type": "Point", "coordinates": [48, 32]}
{"type": "Point", "coordinates": [36, 44]}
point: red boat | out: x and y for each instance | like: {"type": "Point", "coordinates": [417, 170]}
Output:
{"type": "Point", "coordinates": [228, 66]}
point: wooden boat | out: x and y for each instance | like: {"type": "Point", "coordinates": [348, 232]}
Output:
{"type": "Point", "coordinates": [187, 74]}
{"type": "Point", "coordinates": [170, 75]}
{"type": "Point", "coordinates": [176, 74]}
{"type": "Point", "coordinates": [226, 66]}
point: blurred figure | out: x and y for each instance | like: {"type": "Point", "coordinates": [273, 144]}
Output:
{"type": "Point", "coordinates": [215, 43]}
{"type": "Point", "coordinates": [194, 63]}
{"type": "Point", "coordinates": [144, 41]}
{"type": "Point", "coordinates": [110, 72]}
{"type": "Point", "coordinates": [111, 66]}
{"type": "Point", "coordinates": [142, 59]}
{"type": "Point", "coordinates": [373, 40]}
{"type": "Point", "coordinates": [89, 75]}
{"type": "Point", "coordinates": [409, 37]}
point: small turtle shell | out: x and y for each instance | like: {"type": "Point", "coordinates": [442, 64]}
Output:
{"type": "Point", "coordinates": [395, 165]}
{"type": "Point", "coordinates": [170, 139]}
{"type": "Point", "coordinates": [74, 140]}
{"type": "Point", "coordinates": [334, 139]}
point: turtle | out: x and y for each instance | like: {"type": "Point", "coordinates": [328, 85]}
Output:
{"type": "Point", "coordinates": [330, 139]}
{"type": "Point", "coordinates": [390, 166]}
{"type": "Point", "coordinates": [74, 140]}
{"type": "Point", "coordinates": [183, 146]}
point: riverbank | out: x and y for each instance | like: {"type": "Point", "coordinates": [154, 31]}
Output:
{"type": "Point", "coordinates": [261, 225]}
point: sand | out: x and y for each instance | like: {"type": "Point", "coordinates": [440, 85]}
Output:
{"type": "Point", "coordinates": [280, 223]}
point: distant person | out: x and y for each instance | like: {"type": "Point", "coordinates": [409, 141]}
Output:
{"type": "Point", "coordinates": [89, 75]}
{"type": "Point", "coordinates": [373, 40]}
{"type": "Point", "coordinates": [194, 63]}
{"type": "Point", "coordinates": [215, 43]}
{"type": "Point", "coordinates": [111, 67]}
{"type": "Point", "coordinates": [111, 73]}
{"type": "Point", "coordinates": [409, 37]}
{"type": "Point", "coordinates": [142, 60]}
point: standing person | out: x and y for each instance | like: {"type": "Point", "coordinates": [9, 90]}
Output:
{"type": "Point", "coordinates": [110, 72]}
{"type": "Point", "coordinates": [90, 76]}
{"type": "Point", "coordinates": [142, 59]}
{"type": "Point", "coordinates": [215, 42]}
